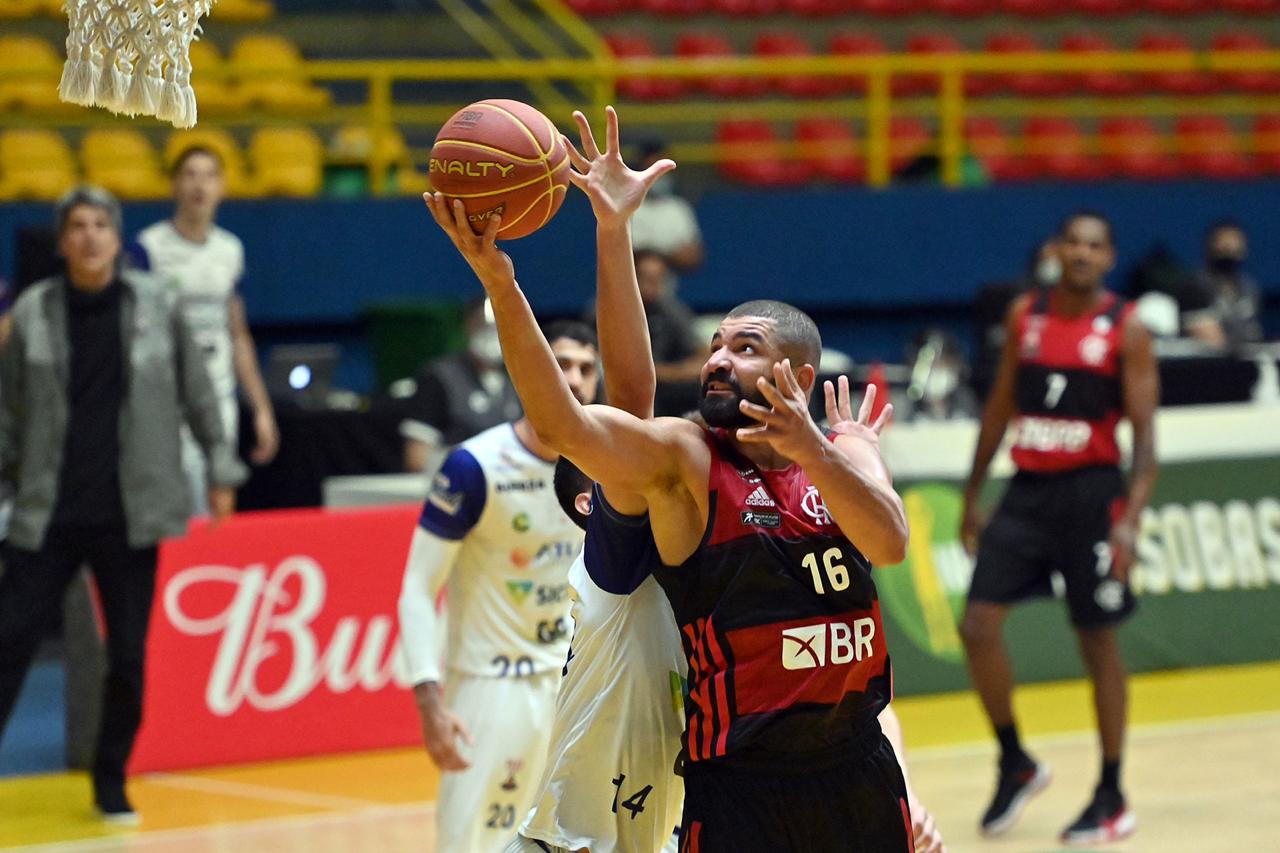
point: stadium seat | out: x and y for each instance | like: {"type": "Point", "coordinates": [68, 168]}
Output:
{"type": "Point", "coordinates": [216, 94]}
{"type": "Point", "coordinates": [1097, 82]}
{"type": "Point", "coordinates": [1058, 149]}
{"type": "Point", "coordinates": [775, 44]}
{"type": "Point", "coordinates": [674, 8]}
{"type": "Point", "coordinates": [271, 74]}
{"type": "Point", "coordinates": [909, 139]}
{"type": "Point", "coordinates": [817, 8]}
{"type": "Point", "coordinates": [287, 161]}
{"type": "Point", "coordinates": [1266, 144]}
{"type": "Point", "coordinates": [830, 148]}
{"type": "Point", "coordinates": [990, 144]}
{"type": "Point", "coordinates": [848, 43]}
{"type": "Point", "coordinates": [1176, 8]}
{"type": "Point", "coordinates": [356, 143]}
{"type": "Point", "coordinates": [123, 162]}
{"type": "Point", "coordinates": [1103, 8]}
{"type": "Point", "coordinates": [35, 164]}
{"type": "Point", "coordinates": [1173, 82]}
{"type": "Point", "coordinates": [1029, 83]}
{"type": "Point", "coordinates": [242, 11]}
{"type": "Point", "coordinates": [20, 8]}
{"type": "Point", "coordinates": [750, 152]}
{"type": "Point", "coordinates": [235, 173]}
{"type": "Point", "coordinates": [1207, 146]}
{"type": "Point", "coordinates": [1250, 7]}
{"type": "Point", "coordinates": [962, 8]}
{"type": "Point", "coordinates": [1032, 8]}
{"type": "Point", "coordinates": [30, 69]}
{"type": "Point", "coordinates": [636, 45]}
{"type": "Point", "coordinates": [1133, 148]}
{"type": "Point", "coordinates": [1261, 82]}
{"type": "Point", "coordinates": [924, 44]}
{"type": "Point", "coordinates": [888, 8]}
{"type": "Point", "coordinates": [746, 8]}
{"type": "Point", "coordinates": [704, 45]}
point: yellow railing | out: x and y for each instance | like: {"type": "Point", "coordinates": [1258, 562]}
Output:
{"type": "Point", "coordinates": [599, 74]}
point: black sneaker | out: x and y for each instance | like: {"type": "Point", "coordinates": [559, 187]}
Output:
{"type": "Point", "coordinates": [113, 806]}
{"type": "Point", "coordinates": [1106, 818]}
{"type": "Point", "coordinates": [1014, 789]}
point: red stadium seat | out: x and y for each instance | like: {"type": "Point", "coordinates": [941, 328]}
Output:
{"type": "Point", "coordinates": [1097, 82]}
{"type": "Point", "coordinates": [924, 44]}
{"type": "Point", "coordinates": [962, 8]}
{"type": "Point", "coordinates": [751, 152]}
{"type": "Point", "coordinates": [638, 46]}
{"type": "Point", "coordinates": [1176, 8]}
{"type": "Point", "coordinates": [599, 8]}
{"type": "Point", "coordinates": [674, 8]}
{"type": "Point", "coordinates": [1266, 144]}
{"type": "Point", "coordinates": [1133, 148]}
{"type": "Point", "coordinates": [1208, 146]}
{"type": "Point", "coordinates": [1058, 149]}
{"type": "Point", "coordinates": [850, 43]}
{"type": "Point", "coordinates": [788, 44]}
{"type": "Point", "coordinates": [830, 149]}
{"type": "Point", "coordinates": [705, 45]}
{"type": "Point", "coordinates": [1250, 7]}
{"type": "Point", "coordinates": [889, 8]}
{"type": "Point", "coordinates": [1030, 83]}
{"type": "Point", "coordinates": [1262, 82]}
{"type": "Point", "coordinates": [746, 8]}
{"type": "Point", "coordinates": [990, 144]}
{"type": "Point", "coordinates": [909, 139]}
{"type": "Point", "coordinates": [1173, 82]}
{"type": "Point", "coordinates": [817, 8]}
{"type": "Point", "coordinates": [1103, 8]}
{"type": "Point", "coordinates": [1033, 8]}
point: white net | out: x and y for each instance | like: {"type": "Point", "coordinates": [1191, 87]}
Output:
{"type": "Point", "coordinates": [133, 56]}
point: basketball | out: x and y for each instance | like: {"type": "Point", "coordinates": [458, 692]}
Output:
{"type": "Point", "coordinates": [502, 158]}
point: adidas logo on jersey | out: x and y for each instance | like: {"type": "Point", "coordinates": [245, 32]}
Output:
{"type": "Point", "coordinates": [759, 498]}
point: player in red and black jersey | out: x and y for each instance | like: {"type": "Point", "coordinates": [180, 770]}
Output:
{"type": "Point", "coordinates": [767, 530]}
{"type": "Point", "coordinates": [1075, 362]}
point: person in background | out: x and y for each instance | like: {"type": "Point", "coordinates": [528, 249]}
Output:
{"type": "Point", "coordinates": [458, 395]}
{"type": "Point", "coordinates": [938, 389]}
{"type": "Point", "coordinates": [1043, 269]}
{"type": "Point", "coordinates": [1226, 302]}
{"type": "Point", "coordinates": [206, 263]}
{"type": "Point", "coordinates": [100, 360]}
{"type": "Point", "coordinates": [665, 222]}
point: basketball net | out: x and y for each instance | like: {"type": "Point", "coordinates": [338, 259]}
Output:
{"type": "Point", "coordinates": [133, 56]}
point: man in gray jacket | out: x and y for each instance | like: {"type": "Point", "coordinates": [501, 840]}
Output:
{"type": "Point", "coordinates": [98, 375]}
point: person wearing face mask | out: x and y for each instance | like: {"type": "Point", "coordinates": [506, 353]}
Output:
{"type": "Point", "coordinates": [665, 223]}
{"type": "Point", "coordinates": [937, 390]}
{"type": "Point", "coordinates": [1226, 301]}
{"type": "Point", "coordinates": [458, 395]}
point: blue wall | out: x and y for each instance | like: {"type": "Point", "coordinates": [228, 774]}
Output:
{"type": "Point", "coordinates": [845, 255]}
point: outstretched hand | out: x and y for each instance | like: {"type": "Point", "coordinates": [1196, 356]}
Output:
{"type": "Point", "coordinates": [787, 426]}
{"type": "Point", "coordinates": [615, 189]}
{"type": "Point", "coordinates": [491, 265]}
{"type": "Point", "coordinates": [840, 412]}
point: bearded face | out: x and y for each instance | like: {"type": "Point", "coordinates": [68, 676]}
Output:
{"type": "Point", "coordinates": [721, 394]}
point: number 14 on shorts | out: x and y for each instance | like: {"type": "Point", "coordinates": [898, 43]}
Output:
{"type": "Point", "coordinates": [633, 803]}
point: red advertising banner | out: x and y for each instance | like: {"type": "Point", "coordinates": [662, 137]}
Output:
{"type": "Point", "coordinates": [274, 635]}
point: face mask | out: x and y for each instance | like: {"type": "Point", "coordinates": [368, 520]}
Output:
{"type": "Point", "coordinates": [1049, 270]}
{"type": "Point", "coordinates": [664, 186]}
{"type": "Point", "coordinates": [1225, 264]}
{"type": "Point", "coordinates": [485, 347]}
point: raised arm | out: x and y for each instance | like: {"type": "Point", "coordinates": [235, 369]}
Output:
{"type": "Point", "coordinates": [609, 445]}
{"type": "Point", "coordinates": [1141, 381]}
{"type": "Point", "coordinates": [616, 191]}
{"type": "Point", "coordinates": [999, 410]}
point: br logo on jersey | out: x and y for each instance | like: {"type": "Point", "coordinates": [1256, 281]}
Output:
{"type": "Point", "coordinates": [519, 590]}
{"type": "Point", "coordinates": [759, 498]}
{"type": "Point", "coordinates": [806, 647]}
{"type": "Point", "coordinates": [815, 507]}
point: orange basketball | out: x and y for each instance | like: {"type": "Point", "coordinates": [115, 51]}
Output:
{"type": "Point", "coordinates": [505, 158]}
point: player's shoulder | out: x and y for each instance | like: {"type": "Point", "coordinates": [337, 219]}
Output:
{"type": "Point", "coordinates": [224, 239]}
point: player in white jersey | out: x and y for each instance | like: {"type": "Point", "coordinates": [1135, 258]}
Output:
{"type": "Point", "coordinates": [493, 538]}
{"type": "Point", "coordinates": [206, 262]}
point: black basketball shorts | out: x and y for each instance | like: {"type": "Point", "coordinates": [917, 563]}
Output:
{"type": "Point", "coordinates": [855, 805]}
{"type": "Point", "coordinates": [1056, 523]}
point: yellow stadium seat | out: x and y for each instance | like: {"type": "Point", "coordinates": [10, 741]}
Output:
{"type": "Point", "coordinates": [239, 184]}
{"type": "Point", "coordinates": [287, 161]}
{"type": "Point", "coordinates": [271, 74]}
{"type": "Point", "coordinates": [35, 164]}
{"type": "Point", "coordinates": [124, 162]}
{"type": "Point", "coordinates": [30, 69]}
{"type": "Point", "coordinates": [215, 93]}
{"type": "Point", "coordinates": [242, 11]}
{"type": "Point", "coordinates": [355, 143]}
{"type": "Point", "coordinates": [20, 8]}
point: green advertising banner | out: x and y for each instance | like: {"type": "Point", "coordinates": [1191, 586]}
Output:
{"type": "Point", "coordinates": [1207, 580]}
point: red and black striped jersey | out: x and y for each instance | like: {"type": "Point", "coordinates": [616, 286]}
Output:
{"type": "Point", "coordinates": [779, 619]}
{"type": "Point", "coordinates": [1068, 388]}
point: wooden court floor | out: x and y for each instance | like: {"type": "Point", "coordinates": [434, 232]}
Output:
{"type": "Point", "coordinates": [1201, 772]}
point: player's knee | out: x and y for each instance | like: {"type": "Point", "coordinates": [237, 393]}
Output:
{"type": "Point", "coordinates": [981, 624]}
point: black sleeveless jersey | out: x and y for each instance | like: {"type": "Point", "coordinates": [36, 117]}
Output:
{"type": "Point", "coordinates": [779, 619]}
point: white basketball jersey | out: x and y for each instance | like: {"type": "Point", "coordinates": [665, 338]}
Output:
{"type": "Point", "coordinates": [507, 596]}
{"type": "Point", "coordinates": [610, 783]}
{"type": "Point", "coordinates": [207, 274]}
